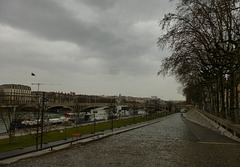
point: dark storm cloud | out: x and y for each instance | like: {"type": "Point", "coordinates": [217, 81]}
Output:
{"type": "Point", "coordinates": [109, 37]}
{"type": "Point", "coordinates": [49, 20]}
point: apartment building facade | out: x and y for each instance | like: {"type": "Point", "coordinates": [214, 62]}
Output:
{"type": "Point", "coordinates": [15, 94]}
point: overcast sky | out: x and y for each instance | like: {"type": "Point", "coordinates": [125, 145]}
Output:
{"type": "Point", "coordinates": [96, 47]}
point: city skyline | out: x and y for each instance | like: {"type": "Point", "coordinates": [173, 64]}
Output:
{"type": "Point", "coordinates": [88, 47]}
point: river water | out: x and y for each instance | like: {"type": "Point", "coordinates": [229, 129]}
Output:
{"type": "Point", "coordinates": [27, 114]}
{"type": "Point", "coordinates": [99, 113]}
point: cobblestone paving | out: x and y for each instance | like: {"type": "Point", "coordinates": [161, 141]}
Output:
{"type": "Point", "coordinates": [167, 143]}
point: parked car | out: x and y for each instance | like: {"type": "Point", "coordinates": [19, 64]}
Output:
{"type": "Point", "coordinates": [183, 110]}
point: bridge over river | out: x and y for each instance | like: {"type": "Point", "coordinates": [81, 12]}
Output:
{"type": "Point", "coordinates": [81, 106]}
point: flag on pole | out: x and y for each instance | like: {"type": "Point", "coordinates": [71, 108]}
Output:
{"type": "Point", "coordinates": [32, 74]}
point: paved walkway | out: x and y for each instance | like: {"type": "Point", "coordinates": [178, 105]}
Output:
{"type": "Point", "coordinates": [172, 141]}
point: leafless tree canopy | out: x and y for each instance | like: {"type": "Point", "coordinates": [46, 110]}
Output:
{"type": "Point", "coordinates": [204, 36]}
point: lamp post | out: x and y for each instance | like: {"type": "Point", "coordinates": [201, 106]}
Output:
{"type": "Point", "coordinates": [134, 116]}
{"type": "Point", "coordinates": [112, 114]}
{"type": "Point", "coordinates": [65, 135]}
{"type": "Point", "coordinates": [43, 100]}
{"type": "Point", "coordinates": [94, 123]}
{"type": "Point", "coordinates": [112, 120]}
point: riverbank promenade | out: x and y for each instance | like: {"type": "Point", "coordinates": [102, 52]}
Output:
{"type": "Point", "coordinates": [167, 141]}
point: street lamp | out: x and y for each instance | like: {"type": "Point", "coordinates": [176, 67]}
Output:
{"type": "Point", "coordinates": [43, 100]}
{"type": "Point", "coordinates": [65, 135]}
{"type": "Point", "coordinates": [112, 114]}
{"type": "Point", "coordinates": [94, 123]}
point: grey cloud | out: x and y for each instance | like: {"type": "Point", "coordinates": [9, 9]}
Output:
{"type": "Point", "coordinates": [49, 20]}
{"type": "Point", "coordinates": [100, 4]}
{"type": "Point", "coordinates": [109, 43]}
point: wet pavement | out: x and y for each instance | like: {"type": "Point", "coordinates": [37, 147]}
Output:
{"type": "Point", "coordinates": [174, 141]}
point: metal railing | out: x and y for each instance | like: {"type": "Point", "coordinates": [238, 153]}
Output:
{"type": "Point", "coordinates": [228, 125]}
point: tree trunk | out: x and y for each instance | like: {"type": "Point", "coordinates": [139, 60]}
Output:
{"type": "Point", "coordinates": [217, 96]}
{"type": "Point", "coordinates": [237, 103]}
{"type": "Point", "coordinates": [222, 95]}
{"type": "Point", "coordinates": [232, 87]}
{"type": "Point", "coordinates": [227, 100]}
{"type": "Point", "coordinates": [237, 106]}
{"type": "Point", "coordinates": [212, 100]}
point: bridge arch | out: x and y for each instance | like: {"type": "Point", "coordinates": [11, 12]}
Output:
{"type": "Point", "coordinates": [59, 107]}
{"type": "Point", "coordinates": [29, 107]}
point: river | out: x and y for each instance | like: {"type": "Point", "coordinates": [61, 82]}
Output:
{"type": "Point", "coordinates": [27, 114]}
{"type": "Point", "coordinates": [99, 113]}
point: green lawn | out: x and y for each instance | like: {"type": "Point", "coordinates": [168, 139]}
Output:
{"type": "Point", "coordinates": [29, 140]}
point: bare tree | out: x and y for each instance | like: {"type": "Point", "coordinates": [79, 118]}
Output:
{"type": "Point", "coordinates": [37, 128]}
{"type": "Point", "coordinates": [204, 37]}
{"type": "Point", "coordinates": [9, 112]}
{"type": "Point", "coordinates": [9, 116]}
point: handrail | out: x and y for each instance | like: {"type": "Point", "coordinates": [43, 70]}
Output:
{"type": "Point", "coordinates": [228, 124]}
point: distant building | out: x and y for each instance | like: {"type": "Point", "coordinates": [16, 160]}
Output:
{"type": "Point", "coordinates": [15, 94]}
{"type": "Point", "coordinates": [154, 98]}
